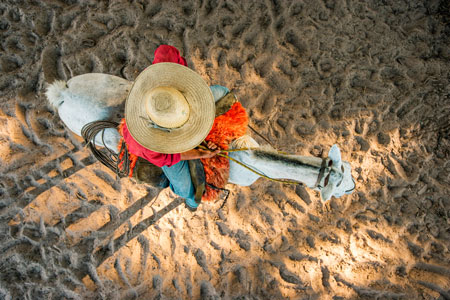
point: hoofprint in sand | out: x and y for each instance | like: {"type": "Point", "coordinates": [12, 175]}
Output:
{"type": "Point", "coordinates": [371, 77]}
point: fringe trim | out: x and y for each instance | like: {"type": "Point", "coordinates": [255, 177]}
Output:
{"type": "Point", "coordinates": [133, 158]}
{"type": "Point", "coordinates": [226, 128]}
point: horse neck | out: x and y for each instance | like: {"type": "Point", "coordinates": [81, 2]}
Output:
{"type": "Point", "coordinates": [300, 168]}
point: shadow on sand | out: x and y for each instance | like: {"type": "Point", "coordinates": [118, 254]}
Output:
{"type": "Point", "coordinates": [94, 249]}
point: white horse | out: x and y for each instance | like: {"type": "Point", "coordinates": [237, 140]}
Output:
{"type": "Point", "coordinates": [95, 96]}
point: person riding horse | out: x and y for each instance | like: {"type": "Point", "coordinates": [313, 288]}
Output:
{"type": "Point", "coordinates": [174, 120]}
{"type": "Point", "coordinates": [169, 112]}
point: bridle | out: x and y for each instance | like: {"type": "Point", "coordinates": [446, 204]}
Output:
{"type": "Point", "coordinates": [327, 164]}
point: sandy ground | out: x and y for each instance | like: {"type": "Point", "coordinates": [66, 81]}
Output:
{"type": "Point", "coordinates": [371, 76]}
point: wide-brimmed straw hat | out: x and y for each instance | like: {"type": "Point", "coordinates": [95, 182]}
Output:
{"type": "Point", "coordinates": [170, 108]}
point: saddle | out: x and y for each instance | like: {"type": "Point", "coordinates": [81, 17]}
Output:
{"type": "Point", "coordinates": [142, 170]}
{"type": "Point", "coordinates": [146, 172]}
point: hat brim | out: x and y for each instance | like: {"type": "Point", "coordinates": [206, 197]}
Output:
{"type": "Point", "coordinates": [197, 94]}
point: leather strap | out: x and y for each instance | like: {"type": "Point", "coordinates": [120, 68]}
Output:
{"type": "Point", "coordinates": [198, 178]}
{"type": "Point", "coordinates": [225, 103]}
{"type": "Point", "coordinates": [323, 166]}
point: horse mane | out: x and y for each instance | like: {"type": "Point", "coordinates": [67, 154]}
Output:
{"type": "Point", "coordinates": [288, 160]}
{"type": "Point", "coordinates": [266, 152]}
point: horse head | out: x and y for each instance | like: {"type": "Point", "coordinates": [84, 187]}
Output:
{"type": "Point", "coordinates": [340, 179]}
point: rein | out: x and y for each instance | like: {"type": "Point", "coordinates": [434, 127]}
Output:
{"type": "Point", "coordinates": [121, 164]}
{"type": "Point", "coordinates": [323, 166]}
{"type": "Point", "coordinates": [325, 162]}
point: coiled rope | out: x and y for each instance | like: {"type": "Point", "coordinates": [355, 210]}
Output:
{"type": "Point", "coordinates": [117, 163]}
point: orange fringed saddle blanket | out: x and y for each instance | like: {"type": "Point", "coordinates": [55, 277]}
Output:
{"type": "Point", "coordinates": [133, 158]}
{"type": "Point", "coordinates": [226, 128]}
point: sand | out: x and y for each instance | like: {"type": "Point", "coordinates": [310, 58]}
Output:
{"type": "Point", "coordinates": [371, 76]}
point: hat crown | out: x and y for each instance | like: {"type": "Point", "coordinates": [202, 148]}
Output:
{"type": "Point", "coordinates": [167, 107]}
{"type": "Point", "coordinates": [141, 113]}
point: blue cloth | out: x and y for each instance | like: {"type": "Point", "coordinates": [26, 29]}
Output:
{"type": "Point", "coordinates": [179, 175]}
{"type": "Point", "coordinates": [218, 91]}
{"type": "Point", "coordinates": [180, 181]}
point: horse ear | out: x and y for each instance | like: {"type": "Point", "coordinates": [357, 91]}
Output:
{"type": "Point", "coordinates": [335, 156]}
{"type": "Point", "coordinates": [327, 191]}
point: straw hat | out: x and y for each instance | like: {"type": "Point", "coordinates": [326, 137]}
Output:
{"type": "Point", "coordinates": [170, 108]}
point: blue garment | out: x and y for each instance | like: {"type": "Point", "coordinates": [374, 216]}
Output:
{"type": "Point", "coordinates": [180, 181]}
{"type": "Point", "coordinates": [218, 91]}
{"type": "Point", "coordinates": [179, 175]}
